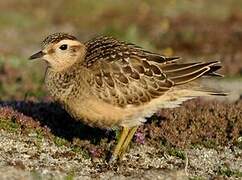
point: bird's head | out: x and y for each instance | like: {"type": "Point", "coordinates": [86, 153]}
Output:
{"type": "Point", "coordinates": [60, 51]}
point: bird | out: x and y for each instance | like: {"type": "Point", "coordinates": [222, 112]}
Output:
{"type": "Point", "coordinates": [109, 83]}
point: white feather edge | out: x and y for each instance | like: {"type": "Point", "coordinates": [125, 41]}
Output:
{"type": "Point", "coordinates": [171, 99]}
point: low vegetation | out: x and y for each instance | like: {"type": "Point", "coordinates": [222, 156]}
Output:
{"type": "Point", "coordinates": [39, 139]}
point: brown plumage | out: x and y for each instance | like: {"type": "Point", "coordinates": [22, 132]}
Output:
{"type": "Point", "coordinates": [106, 82]}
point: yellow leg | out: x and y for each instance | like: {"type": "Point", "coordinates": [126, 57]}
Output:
{"type": "Point", "coordinates": [121, 140]}
{"type": "Point", "coordinates": [127, 140]}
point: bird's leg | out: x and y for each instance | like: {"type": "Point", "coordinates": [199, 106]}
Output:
{"type": "Point", "coordinates": [127, 141]}
{"type": "Point", "coordinates": [121, 140]}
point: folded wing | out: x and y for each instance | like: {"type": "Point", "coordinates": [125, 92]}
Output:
{"type": "Point", "coordinates": [124, 74]}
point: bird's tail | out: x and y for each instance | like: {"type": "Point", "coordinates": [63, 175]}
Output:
{"type": "Point", "coordinates": [184, 74]}
{"type": "Point", "coordinates": [187, 72]}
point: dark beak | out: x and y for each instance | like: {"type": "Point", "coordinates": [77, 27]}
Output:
{"type": "Point", "coordinates": [37, 55]}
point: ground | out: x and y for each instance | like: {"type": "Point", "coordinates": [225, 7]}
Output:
{"type": "Point", "coordinates": [200, 140]}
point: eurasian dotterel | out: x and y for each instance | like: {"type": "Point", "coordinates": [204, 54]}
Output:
{"type": "Point", "coordinates": [109, 83]}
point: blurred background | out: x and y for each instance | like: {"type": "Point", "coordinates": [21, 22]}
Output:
{"type": "Point", "coordinates": [193, 29]}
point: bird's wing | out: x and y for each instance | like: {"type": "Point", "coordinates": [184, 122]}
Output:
{"type": "Point", "coordinates": [124, 74]}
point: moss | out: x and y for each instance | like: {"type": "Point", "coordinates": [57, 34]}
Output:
{"type": "Point", "coordinates": [76, 149]}
{"type": "Point", "coordinates": [177, 152]}
{"type": "Point", "coordinates": [60, 141]}
{"type": "Point", "coordinates": [209, 143]}
{"type": "Point", "coordinates": [36, 175]}
{"type": "Point", "coordinates": [40, 134]}
{"type": "Point", "coordinates": [239, 142]}
{"type": "Point", "coordinates": [197, 178]}
{"type": "Point", "coordinates": [224, 170]}
{"type": "Point", "coordinates": [70, 176]}
{"type": "Point", "coordinates": [117, 133]}
{"type": "Point", "coordinates": [9, 125]}
{"type": "Point", "coordinates": [80, 150]}
{"type": "Point", "coordinates": [85, 154]}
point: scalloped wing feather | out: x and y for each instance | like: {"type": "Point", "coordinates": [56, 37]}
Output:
{"type": "Point", "coordinates": [123, 74]}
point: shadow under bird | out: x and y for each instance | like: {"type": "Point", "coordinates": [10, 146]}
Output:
{"type": "Point", "coordinates": [109, 83]}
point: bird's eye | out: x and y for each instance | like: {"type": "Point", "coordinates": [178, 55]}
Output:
{"type": "Point", "coordinates": [63, 47]}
